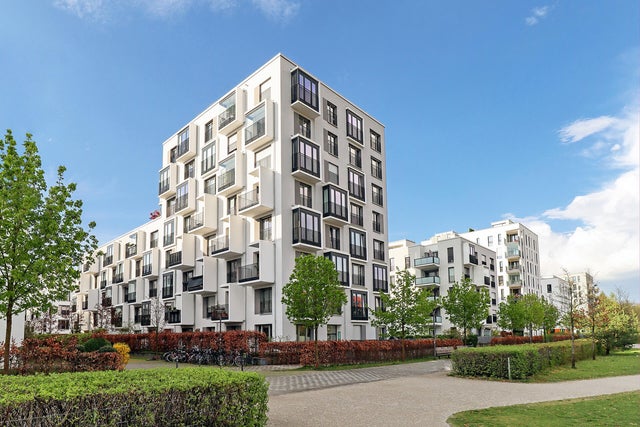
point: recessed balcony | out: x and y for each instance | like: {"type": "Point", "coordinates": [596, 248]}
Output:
{"type": "Point", "coordinates": [514, 284]}
{"type": "Point", "coordinates": [168, 181]}
{"type": "Point", "coordinates": [172, 316]}
{"type": "Point", "coordinates": [231, 176]}
{"type": "Point", "coordinates": [261, 272]}
{"type": "Point", "coordinates": [230, 244]}
{"type": "Point", "coordinates": [513, 267]}
{"type": "Point", "coordinates": [184, 259]}
{"type": "Point", "coordinates": [207, 282]}
{"type": "Point", "coordinates": [257, 202]}
{"type": "Point", "coordinates": [427, 263]}
{"type": "Point", "coordinates": [186, 149]}
{"type": "Point", "coordinates": [259, 129]}
{"type": "Point", "coordinates": [232, 115]}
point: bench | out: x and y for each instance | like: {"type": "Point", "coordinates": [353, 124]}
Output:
{"type": "Point", "coordinates": [444, 351]}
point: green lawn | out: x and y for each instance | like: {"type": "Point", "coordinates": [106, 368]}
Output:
{"type": "Point", "coordinates": [621, 409]}
{"type": "Point", "coordinates": [612, 410]}
{"type": "Point", "coordinates": [617, 363]}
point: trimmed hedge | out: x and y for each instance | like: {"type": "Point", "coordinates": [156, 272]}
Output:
{"type": "Point", "coordinates": [349, 352]}
{"type": "Point", "coordinates": [154, 397]}
{"type": "Point", "coordinates": [514, 339]}
{"type": "Point", "coordinates": [525, 359]}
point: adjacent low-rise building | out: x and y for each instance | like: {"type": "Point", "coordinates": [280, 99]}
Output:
{"type": "Point", "coordinates": [441, 261]}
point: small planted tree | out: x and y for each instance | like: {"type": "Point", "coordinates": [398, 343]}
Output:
{"type": "Point", "coordinates": [571, 317]}
{"type": "Point", "coordinates": [511, 314]}
{"type": "Point", "coordinates": [466, 306]}
{"type": "Point", "coordinates": [550, 317]}
{"type": "Point", "coordinates": [42, 238]}
{"type": "Point", "coordinates": [406, 309]}
{"type": "Point", "coordinates": [589, 314]}
{"type": "Point", "coordinates": [313, 294]}
{"type": "Point", "coordinates": [533, 312]}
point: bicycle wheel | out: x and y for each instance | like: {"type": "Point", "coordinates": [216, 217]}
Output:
{"type": "Point", "coordinates": [238, 361]}
{"type": "Point", "coordinates": [220, 359]}
{"type": "Point", "coordinates": [167, 357]}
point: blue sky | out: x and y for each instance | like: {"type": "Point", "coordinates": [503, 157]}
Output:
{"type": "Point", "coordinates": [492, 109]}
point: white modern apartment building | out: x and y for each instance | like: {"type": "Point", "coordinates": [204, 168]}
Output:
{"type": "Point", "coordinates": [441, 261]}
{"type": "Point", "coordinates": [517, 256]}
{"type": "Point", "coordinates": [279, 166]}
{"type": "Point", "coordinates": [17, 329]}
{"type": "Point", "coordinates": [556, 291]}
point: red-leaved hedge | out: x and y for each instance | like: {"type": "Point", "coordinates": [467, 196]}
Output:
{"type": "Point", "coordinates": [514, 340]}
{"type": "Point", "coordinates": [349, 352]}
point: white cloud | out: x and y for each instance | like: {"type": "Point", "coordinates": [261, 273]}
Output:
{"type": "Point", "coordinates": [606, 239]}
{"type": "Point", "coordinates": [537, 13]}
{"type": "Point", "coordinates": [276, 10]}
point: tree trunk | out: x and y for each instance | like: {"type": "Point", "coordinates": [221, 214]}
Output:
{"type": "Point", "coordinates": [573, 347]}
{"type": "Point", "coordinates": [315, 339]}
{"type": "Point", "coordinates": [593, 341]}
{"type": "Point", "coordinates": [402, 343]}
{"type": "Point", "coordinates": [530, 333]}
{"type": "Point", "coordinates": [7, 338]}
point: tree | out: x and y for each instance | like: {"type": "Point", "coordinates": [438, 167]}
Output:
{"type": "Point", "coordinates": [406, 309]}
{"type": "Point", "coordinates": [571, 317]}
{"type": "Point", "coordinates": [615, 326]}
{"type": "Point", "coordinates": [510, 314]}
{"type": "Point", "coordinates": [550, 317]}
{"type": "Point", "coordinates": [313, 294]}
{"type": "Point", "coordinates": [42, 238]}
{"type": "Point", "coordinates": [533, 312]}
{"type": "Point", "coordinates": [589, 314]}
{"type": "Point", "coordinates": [466, 306]}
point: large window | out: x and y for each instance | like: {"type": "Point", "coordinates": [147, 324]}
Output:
{"type": "Point", "coordinates": [208, 157]}
{"type": "Point", "coordinates": [227, 173]}
{"type": "Point", "coordinates": [331, 144]}
{"type": "Point", "coordinates": [376, 195]}
{"type": "Point", "coordinates": [357, 244]}
{"type": "Point", "coordinates": [302, 125]}
{"type": "Point", "coordinates": [304, 89]}
{"type": "Point", "coordinates": [376, 168]}
{"type": "Point", "coordinates": [359, 306]}
{"type": "Point", "coordinates": [263, 302]}
{"type": "Point", "coordinates": [354, 126]}
{"type": "Point", "coordinates": [266, 228]}
{"type": "Point", "coordinates": [342, 266]}
{"type": "Point", "coordinates": [182, 196]}
{"type": "Point", "coordinates": [332, 114]}
{"type": "Point", "coordinates": [333, 237]}
{"type": "Point", "coordinates": [306, 227]}
{"type": "Point", "coordinates": [165, 180]}
{"type": "Point", "coordinates": [356, 215]}
{"type": "Point", "coordinates": [358, 274]}
{"type": "Point", "coordinates": [377, 221]}
{"type": "Point", "coordinates": [167, 285]}
{"type": "Point", "coordinates": [376, 142]}
{"type": "Point", "coordinates": [255, 125]}
{"type": "Point", "coordinates": [378, 250]}
{"type": "Point", "coordinates": [229, 113]}
{"type": "Point", "coordinates": [334, 202]}
{"type": "Point", "coordinates": [208, 131]}
{"type": "Point", "coordinates": [306, 156]}
{"type": "Point", "coordinates": [304, 195]}
{"type": "Point", "coordinates": [380, 281]}
{"type": "Point", "coordinates": [190, 169]}
{"type": "Point", "coordinates": [183, 142]}
{"type": "Point", "coordinates": [169, 233]}
{"type": "Point", "coordinates": [210, 185]}
{"type": "Point", "coordinates": [355, 156]}
{"type": "Point", "coordinates": [356, 184]}
{"type": "Point", "coordinates": [332, 173]}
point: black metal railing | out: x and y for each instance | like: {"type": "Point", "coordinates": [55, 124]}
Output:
{"type": "Point", "coordinates": [227, 179]}
{"type": "Point", "coordinates": [174, 258]}
{"type": "Point", "coordinates": [227, 116]}
{"type": "Point", "coordinates": [249, 272]}
{"type": "Point", "coordinates": [255, 131]}
{"type": "Point", "coordinates": [359, 313]}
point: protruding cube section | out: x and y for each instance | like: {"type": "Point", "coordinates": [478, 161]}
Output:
{"type": "Point", "coordinates": [305, 162]}
{"type": "Point", "coordinates": [187, 138]}
{"type": "Point", "coordinates": [186, 197]}
{"type": "Point", "coordinates": [231, 174]}
{"type": "Point", "coordinates": [207, 282]}
{"type": "Point", "coordinates": [304, 94]}
{"type": "Point", "coordinates": [184, 257]}
{"type": "Point", "coordinates": [259, 128]}
{"type": "Point", "coordinates": [231, 243]}
{"type": "Point", "coordinates": [262, 270]}
{"type": "Point", "coordinates": [205, 221]}
{"type": "Point", "coordinates": [168, 181]}
{"type": "Point", "coordinates": [232, 114]}
{"type": "Point", "coordinates": [260, 199]}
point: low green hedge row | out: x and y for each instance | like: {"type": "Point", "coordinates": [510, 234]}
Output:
{"type": "Point", "coordinates": [525, 359]}
{"type": "Point", "coordinates": [153, 397]}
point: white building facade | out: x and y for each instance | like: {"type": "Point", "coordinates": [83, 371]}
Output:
{"type": "Point", "coordinates": [441, 261]}
{"type": "Point", "coordinates": [279, 166]}
{"type": "Point", "coordinates": [517, 256]}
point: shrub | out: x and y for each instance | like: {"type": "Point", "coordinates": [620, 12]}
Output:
{"type": "Point", "coordinates": [96, 343]}
{"type": "Point", "coordinates": [249, 341]}
{"type": "Point", "coordinates": [525, 359]}
{"type": "Point", "coordinates": [189, 396]}
{"type": "Point", "coordinates": [107, 349]}
{"type": "Point", "coordinates": [124, 350]}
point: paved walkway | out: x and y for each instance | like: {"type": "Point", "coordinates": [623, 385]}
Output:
{"type": "Point", "coordinates": [416, 394]}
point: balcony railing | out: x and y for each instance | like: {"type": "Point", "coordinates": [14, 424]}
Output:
{"type": "Point", "coordinates": [130, 297]}
{"type": "Point", "coordinates": [174, 258]}
{"type": "Point", "coordinates": [248, 199]}
{"type": "Point", "coordinates": [195, 221]}
{"type": "Point", "coordinates": [108, 259]}
{"type": "Point", "coordinates": [306, 235]}
{"type": "Point", "coordinates": [219, 244]}
{"type": "Point", "coordinates": [378, 254]}
{"type": "Point", "coordinates": [163, 186]}
{"type": "Point", "coordinates": [356, 219]}
{"type": "Point", "coordinates": [182, 202]}
{"type": "Point", "coordinates": [195, 283]}
{"type": "Point", "coordinates": [306, 163]}
{"type": "Point", "coordinates": [429, 260]}
{"type": "Point", "coordinates": [358, 251]}
{"type": "Point", "coordinates": [106, 302]}
{"type": "Point", "coordinates": [103, 283]}
{"type": "Point", "coordinates": [428, 280]}
{"type": "Point", "coordinates": [380, 285]}
{"type": "Point", "coordinates": [359, 313]}
{"type": "Point", "coordinates": [249, 272]}
{"type": "Point", "coordinates": [335, 210]}
{"type": "Point", "coordinates": [172, 316]}
{"type": "Point", "coordinates": [183, 147]}
{"type": "Point", "coordinates": [232, 276]}
{"type": "Point", "coordinates": [254, 131]}
{"type": "Point", "coordinates": [118, 278]}
{"type": "Point", "coordinates": [227, 116]}
{"type": "Point", "coordinates": [131, 250]}
{"type": "Point", "coordinates": [167, 292]}
{"type": "Point", "coordinates": [227, 179]}
{"type": "Point", "coordinates": [473, 259]}
{"type": "Point", "coordinates": [147, 269]}
{"type": "Point", "coordinates": [300, 93]}
{"type": "Point", "coordinates": [219, 312]}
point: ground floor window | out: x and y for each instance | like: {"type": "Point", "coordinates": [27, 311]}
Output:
{"type": "Point", "coordinates": [265, 329]}
{"type": "Point", "coordinates": [333, 332]}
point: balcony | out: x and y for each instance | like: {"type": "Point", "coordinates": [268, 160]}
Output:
{"type": "Point", "coordinates": [145, 320]}
{"type": "Point", "coordinates": [195, 283]}
{"type": "Point", "coordinates": [473, 259]}
{"type": "Point", "coordinates": [514, 284]}
{"type": "Point", "coordinates": [261, 272]}
{"type": "Point", "coordinates": [207, 282]}
{"type": "Point", "coordinates": [231, 244]}
{"type": "Point", "coordinates": [259, 128]}
{"type": "Point", "coordinates": [186, 199]}
{"type": "Point", "coordinates": [183, 259]}
{"type": "Point", "coordinates": [513, 267]}
{"type": "Point", "coordinates": [513, 253]}
{"type": "Point", "coordinates": [231, 176]}
{"type": "Point", "coordinates": [257, 202]}
{"type": "Point", "coordinates": [232, 115]}
{"type": "Point", "coordinates": [107, 260]}
{"type": "Point", "coordinates": [173, 316]}
{"type": "Point", "coordinates": [303, 165]}
{"type": "Point", "coordinates": [206, 220]}
{"type": "Point", "coordinates": [130, 297]}
{"type": "Point", "coordinates": [117, 278]}
{"type": "Point", "coordinates": [186, 149]}
{"type": "Point", "coordinates": [436, 319]}
{"type": "Point", "coordinates": [168, 181]}
{"type": "Point", "coordinates": [131, 249]}
{"type": "Point", "coordinates": [428, 281]}
{"type": "Point", "coordinates": [304, 94]}
{"type": "Point", "coordinates": [427, 263]}
{"type": "Point", "coordinates": [219, 312]}
{"type": "Point", "coordinates": [334, 205]}
{"type": "Point", "coordinates": [107, 302]}
{"type": "Point", "coordinates": [90, 267]}
{"type": "Point", "coordinates": [359, 313]}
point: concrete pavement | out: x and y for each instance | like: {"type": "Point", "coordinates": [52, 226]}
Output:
{"type": "Point", "coordinates": [409, 399]}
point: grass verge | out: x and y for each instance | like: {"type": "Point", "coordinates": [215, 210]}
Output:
{"type": "Point", "coordinates": [615, 409]}
{"type": "Point", "coordinates": [618, 363]}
